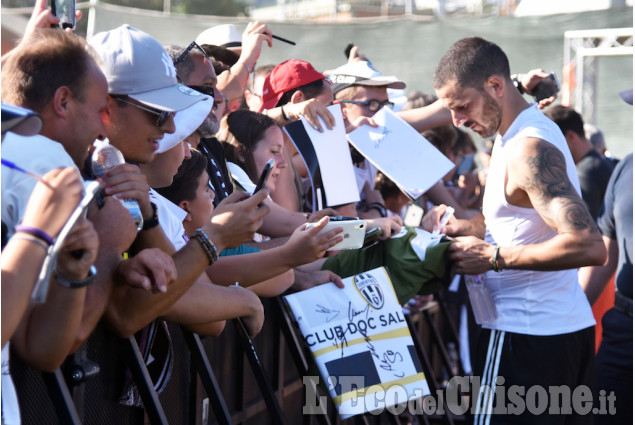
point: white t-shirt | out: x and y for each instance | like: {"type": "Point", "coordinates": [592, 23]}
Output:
{"type": "Point", "coordinates": [171, 218]}
{"type": "Point", "coordinates": [10, 406]}
{"type": "Point", "coordinates": [37, 154]}
{"type": "Point", "coordinates": [527, 301]}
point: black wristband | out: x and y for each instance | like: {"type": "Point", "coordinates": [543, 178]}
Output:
{"type": "Point", "coordinates": [153, 221]}
{"type": "Point", "coordinates": [380, 208]}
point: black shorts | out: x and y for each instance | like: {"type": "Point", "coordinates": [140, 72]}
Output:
{"type": "Point", "coordinates": [527, 379]}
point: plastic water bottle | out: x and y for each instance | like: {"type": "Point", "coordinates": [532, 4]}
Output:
{"type": "Point", "coordinates": [481, 299]}
{"type": "Point", "coordinates": [104, 158]}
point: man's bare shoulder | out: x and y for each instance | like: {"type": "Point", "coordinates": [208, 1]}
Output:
{"type": "Point", "coordinates": [532, 159]}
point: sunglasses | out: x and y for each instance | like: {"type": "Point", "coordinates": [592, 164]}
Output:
{"type": "Point", "coordinates": [206, 90]}
{"type": "Point", "coordinates": [373, 105]}
{"type": "Point", "coordinates": [162, 116]}
{"type": "Point", "coordinates": [187, 51]}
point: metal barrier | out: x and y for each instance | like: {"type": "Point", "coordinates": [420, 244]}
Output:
{"type": "Point", "coordinates": [273, 393]}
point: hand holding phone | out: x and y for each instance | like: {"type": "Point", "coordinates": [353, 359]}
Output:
{"type": "Point", "coordinates": [266, 172]}
{"type": "Point", "coordinates": [546, 88]}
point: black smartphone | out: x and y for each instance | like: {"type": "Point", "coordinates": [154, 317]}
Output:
{"type": "Point", "coordinates": [266, 172]}
{"type": "Point", "coordinates": [347, 50]}
{"type": "Point", "coordinates": [65, 11]}
{"type": "Point", "coordinates": [546, 88]}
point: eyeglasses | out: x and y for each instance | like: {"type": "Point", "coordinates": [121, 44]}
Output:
{"type": "Point", "coordinates": [187, 51]}
{"type": "Point", "coordinates": [373, 105]}
{"type": "Point", "coordinates": [162, 116]}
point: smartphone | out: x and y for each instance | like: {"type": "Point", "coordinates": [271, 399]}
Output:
{"type": "Point", "coordinates": [341, 218]}
{"type": "Point", "coordinates": [546, 88]}
{"type": "Point", "coordinates": [347, 50]}
{"type": "Point", "coordinates": [413, 216]}
{"type": "Point", "coordinates": [372, 237]}
{"type": "Point", "coordinates": [65, 11]}
{"type": "Point", "coordinates": [353, 234]}
{"type": "Point", "coordinates": [466, 164]}
{"type": "Point", "coordinates": [266, 172]}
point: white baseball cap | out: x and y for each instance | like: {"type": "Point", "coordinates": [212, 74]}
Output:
{"type": "Point", "coordinates": [135, 64]}
{"type": "Point", "coordinates": [226, 36]}
{"type": "Point", "coordinates": [361, 73]}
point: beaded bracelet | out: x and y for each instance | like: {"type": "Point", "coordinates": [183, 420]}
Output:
{"type": "Point", "coordinates": [207, 245]}
{"type": "Point", "coordinates": [34, 231]}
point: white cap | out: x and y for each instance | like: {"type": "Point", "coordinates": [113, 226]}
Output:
{"type": "Point", "coordinates": [135, 64]}
{"type": "Point", "coordinates": [361, 73]}
{"type": "Point", "coordinates": [226, 36]}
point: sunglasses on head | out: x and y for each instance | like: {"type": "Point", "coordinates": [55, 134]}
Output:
{"type": "Point", "coordinates": [162, 116]}
{"type": "Point", "coordinates": [187, 51]}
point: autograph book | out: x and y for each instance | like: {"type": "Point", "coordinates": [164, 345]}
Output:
{"type": "Point", "coordinates": [361, 343]}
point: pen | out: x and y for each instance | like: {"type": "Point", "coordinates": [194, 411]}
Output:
{"type": "Point", "coordinates": [277, 37]}
{"type": "Point", "coordinates": [444, 220]}
{"type": "Point", "coordinates": [13, 166]}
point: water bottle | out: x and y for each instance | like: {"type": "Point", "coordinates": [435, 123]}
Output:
{"type": "Point", "coordinates": [104, 158]}
{"type": "Point", "coordinates": [483, 305]}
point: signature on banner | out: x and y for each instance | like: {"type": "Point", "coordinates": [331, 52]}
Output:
{"type": "Point", "coordinates": [359, 321]}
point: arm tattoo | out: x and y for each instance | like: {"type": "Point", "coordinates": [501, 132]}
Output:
{"type": "Point", "coordinates": [548, 186]}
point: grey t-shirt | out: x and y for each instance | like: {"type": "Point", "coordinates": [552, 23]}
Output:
{"type": "Point", "coordinates": [594, 172]}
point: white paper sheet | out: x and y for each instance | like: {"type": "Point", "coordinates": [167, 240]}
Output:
{"type": "Point", "coordinates": [401, 153]}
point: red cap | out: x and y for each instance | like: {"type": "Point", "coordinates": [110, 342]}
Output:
{"type": "Point", "coordinates": [287, 76]}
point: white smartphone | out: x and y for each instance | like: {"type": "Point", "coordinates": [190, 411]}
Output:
{"type": "Point", "coordinates": [413, 216]}
{"type": "Point", "coordinates": [353, 234]}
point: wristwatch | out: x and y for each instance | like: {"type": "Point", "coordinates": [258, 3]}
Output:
{"type": "Point", "coordinates": [77, 284]}
{"type": "Point", "coordinates": [516, 79]}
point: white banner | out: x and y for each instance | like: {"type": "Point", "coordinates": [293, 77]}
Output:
{"type": "Point", "coordinates": [361, 343]}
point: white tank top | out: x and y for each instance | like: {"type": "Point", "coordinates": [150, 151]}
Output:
{"type": "Point", "coordinates": [530, 302]}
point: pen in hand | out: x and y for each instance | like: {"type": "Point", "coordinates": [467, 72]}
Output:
{"type": "Point", "coordinates": [277, 37]}
{"type": "Point", "coordinates": [13, 166]}
{"type": "Point", "coordinates": [444, 220]}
